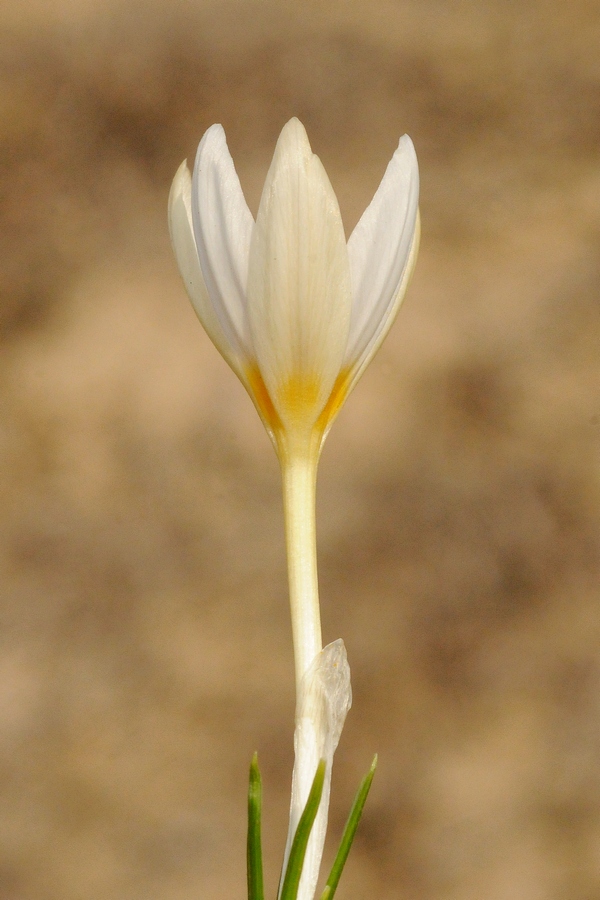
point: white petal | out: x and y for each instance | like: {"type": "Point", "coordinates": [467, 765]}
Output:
{"type": "Point", "coordinates": [299, 280]}
{"type": "Point", "coordinates": [382, 249]}
{"type": "Point", "coordinates": [186, 254]}
{"type": "Point", "coordinates": [324, 698]}
{"type": "Point", "coordinates": [223, 227]}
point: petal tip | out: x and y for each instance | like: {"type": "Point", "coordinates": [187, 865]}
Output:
{"type": "Point", "coordinates": [212, 146]}
{"type": "Point", "coordinates": [294, 125]}
{"type": "Point", "coordinates": [406, 154]}
{"type": "Point", "coordinates": [294, 139]}
{"type": "Point", "coordinates": [182, 177]}
{"type": "Point", "coordinates": [180, 191]}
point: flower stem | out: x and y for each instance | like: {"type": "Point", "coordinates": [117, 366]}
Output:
{"type": "Point", "coordinates": [323, 694]}
{"type": "Point", "coordinates": [299, 474]}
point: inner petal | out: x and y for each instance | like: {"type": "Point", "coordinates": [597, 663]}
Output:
{"type": "Point", "coordinates": [298, 282]}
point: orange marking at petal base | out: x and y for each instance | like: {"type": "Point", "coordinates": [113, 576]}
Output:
{"type": "Point", "coordinates": [298, 396]}
{"type": "Point", "coordinates": [338, 394]}
{"type": "Point", "coordinates": [262, 398]}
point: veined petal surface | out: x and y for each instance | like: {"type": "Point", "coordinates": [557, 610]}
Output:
{"type": "Point", "coordinates": [299, 292]}
{"type": "Point", "coordinates": [186, 254]}
{"type": "Point", "coordinates": [382, 249]}
{"type": "Point", "coordinates": [223, 227]}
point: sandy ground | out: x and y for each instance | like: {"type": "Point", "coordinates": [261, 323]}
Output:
{"type": "Point", "coordinates": [145, 647]}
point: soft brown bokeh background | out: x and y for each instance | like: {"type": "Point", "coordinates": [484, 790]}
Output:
{"type": "Point", "coordinates": [145, 643]}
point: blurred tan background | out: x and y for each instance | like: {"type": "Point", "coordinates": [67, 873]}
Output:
{"type": "Point", "coordinates": [145, 641]}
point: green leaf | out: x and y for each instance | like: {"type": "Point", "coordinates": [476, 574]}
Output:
{"type": "Point", "coordinates": [254, 849]}
{"type": "Point", "coordinates": [349, 832]}
{"type": "Point", "coordinates": [291, 879]}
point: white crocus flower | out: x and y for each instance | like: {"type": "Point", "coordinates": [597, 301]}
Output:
{"type": "Point", "coordinates": [298, 314]}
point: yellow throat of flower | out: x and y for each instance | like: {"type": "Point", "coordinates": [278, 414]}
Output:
{"type": "Point", "coordinates": [298, 400]}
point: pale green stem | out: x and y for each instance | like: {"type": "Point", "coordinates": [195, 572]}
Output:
{"type": "Point", "coordinates": [299, 473]}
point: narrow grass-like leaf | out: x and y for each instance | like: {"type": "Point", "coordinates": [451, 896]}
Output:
{"type": "Point", "coordinates": [349, 832]}
{"type": "Point", "coordinates": [254, 849]}
{"type": "Point", "coordinates": [291, 879]}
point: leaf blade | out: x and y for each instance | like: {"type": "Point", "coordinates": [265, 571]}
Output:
{"type": "Point", "coordinates": [349, 833]}
{"type": "Point", "coordinates": [254, 846]}
{"type": "Point", "coordinates": [293, 872]}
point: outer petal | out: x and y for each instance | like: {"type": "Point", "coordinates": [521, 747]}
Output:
{"type": "Point", "coordinates": [298, 282]}
{"type": "Point", "coordinates": [382, 251]}
{"type": "Point", "coordinates": [223, 227]}
{"type": "Point", "coordinates": [186, 254]}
